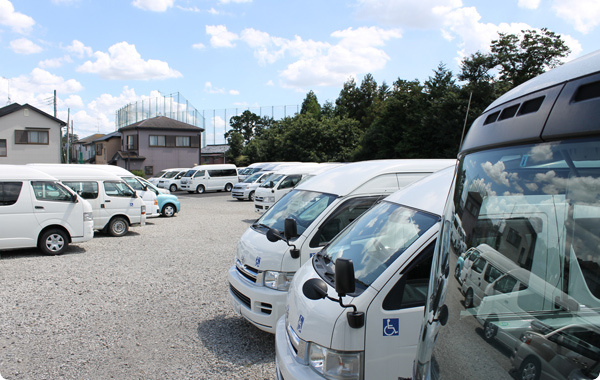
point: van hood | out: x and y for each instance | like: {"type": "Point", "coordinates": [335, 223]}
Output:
{"type": "Point", "coordinates": [254, 250]}
{"type": "Point", "coordinates": [317, 320]}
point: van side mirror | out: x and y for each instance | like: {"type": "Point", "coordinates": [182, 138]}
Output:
{"type": "Point", "coordinates": [314, 289]}
{"type": "Point", "coordinates": [74, 198]}
{"type": "Point", "coordinates": [273, 235]}
{"type": "Point", "coordinates": [344, 276]}
{"type": "Point", "coordinates": [290, 228]}
{"type": "Point", "coordinates": [443, 315]}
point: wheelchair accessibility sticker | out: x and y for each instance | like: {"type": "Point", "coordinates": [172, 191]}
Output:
{"type": "Point", "coordinates": [300, 323]}
{"type": "Point", "coordinates": [391, 327]}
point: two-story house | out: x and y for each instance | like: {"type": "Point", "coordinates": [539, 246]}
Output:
{"type": "Point", "coordinates": [106, 148]}
{"type": "Point", "coordinates": [85, 149]}
{"type": "Point", "coordinates": [158, 143]}
{"type": "Point", "coordinates": [28, 134]}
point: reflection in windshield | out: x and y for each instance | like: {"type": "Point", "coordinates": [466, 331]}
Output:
{"type": "Point", "coordinates": [377, 238]}
{"type": "Point", "coordinates": [531, 299]}
{"type": "Point", "coordinates": [303, 206]}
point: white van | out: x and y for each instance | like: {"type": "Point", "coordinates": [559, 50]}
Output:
{"type": "Point", "coordinates": [115, 205]}
{"type": "Point", "coordinates": [149, 197]}
{"type": "Point", "coordinates": [356, 307]}
{"type": "Point", "coordinates": [214, 177]}
{"type": "Point", "coordinates": [38, 211]}
{"type": "Point", "coordinates": [319, 209]}
{"type": "Point", "coordinates": [172, 180]}
{"type": "Point", "coordinates": [247, 188]}
{"type": "Point", "coordinates": [165, 174]}
{"type": "Point", "coordinates": [262, 167]}
{"type": "Point", "coordinates": [282, 181]}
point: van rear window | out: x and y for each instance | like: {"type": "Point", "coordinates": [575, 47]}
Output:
{"type": "Point", "coordinates": [9, 192]}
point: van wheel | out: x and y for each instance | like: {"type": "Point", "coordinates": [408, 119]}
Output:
{"type": "Point", "coordinates": [168, 210]}
{"type": "Point", "coordinates": [173, 188]}
{"type": "Point", "coordinates": [53, 242]}
{"type": "Point", "coordinates": [469, 299]}
{"type": "Point", "coordinates": [118, 227]}
{"type": "Point", "coordinates": [200, 189]}
{"type": "Point", "coordinates": [228, 187]}
{"type": "Point", "coordinates": [251, 196]}
{"type": "Point", "coordinates": [530, 369]}
{"type": "Point", "coordinates": [489, 329]}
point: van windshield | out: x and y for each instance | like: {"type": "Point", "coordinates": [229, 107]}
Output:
{"type": "Point", "coordinates": [273, 179]}
{"type": "Point", "coordinates": [303, 206]}
{"type": "Point", "coordinates": [190, 173]}
{"type": "Point", "coordinates": [253, 177]}
{"type": "Point", "coordinates": [171, 174]}
{"type": "Point", "coordinates": [378, 238]}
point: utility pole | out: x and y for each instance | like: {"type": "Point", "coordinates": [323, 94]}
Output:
{"type": "Point", "coordinates": [68, 138]}
{"type": "Point", "coordinates": [55, 106]}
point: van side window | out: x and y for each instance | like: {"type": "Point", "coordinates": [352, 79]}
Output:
{"type": "Point", "coordinates": [50, 191]}
{"type": "Point", "coordinates": [478, 265]}
{"type": "Point", "coordinates": [340, 218]}
{"type": "Point", "coordinates": [290, 181]}
{"type": "Point", "coordinates": [117, 189]}
{"type": "Point", "coordinates": [86, 190]}
{"type": "Point", "coordinates": [491, 274]}
{"type": "Point", "coordinates": [134, 183]}
{"type": "Point", "coordinates": [200, 173]}
{"type": "Point", "coordinates": [411, 290]}
{"type": "Point", "coordinates": [506, 284]}
{"type": "Point", "coordinates": [9, 192]}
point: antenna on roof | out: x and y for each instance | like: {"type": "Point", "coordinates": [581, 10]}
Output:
{"type": "Point", "coordinates": [7, 90]}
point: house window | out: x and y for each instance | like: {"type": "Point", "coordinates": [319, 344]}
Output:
{"type": "Point", "coordinates": [148, 170]}
{"type": "Point", "coordinates": [31, 137]}
{"type": "Point", "coordinates": [99, 149]}
{"type": "Point", "coordinates": [157, 140]}
{"type": "Point", "coordinates": [3, 148]}
{"type": "Point", "coordinates": [183, 141]}
{"type": "Point", "coordinates": [132, 142]}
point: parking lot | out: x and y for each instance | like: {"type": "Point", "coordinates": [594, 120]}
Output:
{"type": "Point", "coordinates": [151, 305]}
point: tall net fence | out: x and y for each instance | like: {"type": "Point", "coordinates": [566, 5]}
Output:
{"type": "Point", "coordinates": [215, 122]}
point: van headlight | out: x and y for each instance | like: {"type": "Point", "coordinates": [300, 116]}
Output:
{"type": "Point", "coordinates": [278, 280]}
{"type": "Point", "coordinates": [88, 216]}
{"type": "Point", "coordinates": [269, 199]}
{"type": "Point", "coordinates": [333, 364]}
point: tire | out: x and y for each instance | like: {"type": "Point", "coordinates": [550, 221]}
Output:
{"type": "Point", "coordinates": [530, 369]}
{"type": "Point", "coordinates": [53, 242]}
{"type": "Point", "coordinates": [228, 187]}
{"type": "Point", "coordinates": [117, 226]}
{"type": "Point", "coordinates": [168, 210]}
{"type": "Point", "coordinates": [200, 189]}
{"type": "Point", "coordinates": [173, 188]}
{"type": "Point", "coordinates": [489, 329]}
{"type": "Point", "coordinates": [469, 299]}
{"type": "Point", "coordinates": [251, 196]}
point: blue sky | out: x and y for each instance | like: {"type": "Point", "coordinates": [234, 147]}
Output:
{"type": "Point", "coordinates": [228, 55]}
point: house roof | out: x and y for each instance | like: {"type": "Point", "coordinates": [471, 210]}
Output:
{"type": "Point", "coordinates": [212, 149]}
{"type": "Point", "coordinates": [89, 139]}
{"type": "Point", "coordinates": [127, 156]}
{"type": "Point", "coordinates": [109, 136]}
{"type": "Point", "coordinates": [161, 122]}
{"type": "Point", "coordinates": [16, 107]}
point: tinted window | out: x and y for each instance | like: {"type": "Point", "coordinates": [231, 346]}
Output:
{"type": "Point", "coordinates": [50, 191]}
{"type": "Point", "coordinates": [85, 189]}
{"type": "Point", "coordinates": [117, 189]}
{"type": "Point", "coordinates": [9, 192]}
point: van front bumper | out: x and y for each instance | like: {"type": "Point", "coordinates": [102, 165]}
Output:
{"type": "Point", "coordinates": [260, 305]}
{"type": "Point", "coordinates": [286, 365]}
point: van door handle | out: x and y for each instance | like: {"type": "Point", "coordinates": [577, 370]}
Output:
{"type": "Point", "coordinates": [39, 207]}
{"type": "Point", "coordinates": [108, 200]}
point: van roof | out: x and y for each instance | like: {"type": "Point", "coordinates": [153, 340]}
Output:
{"type": "Point", "coordinates": [428, 194]}
{"type": "Point", "coordinates": [23, 173]}
{"type": "Point", "coordinates": [303, 168]}
{"type": "Point", "coordinates": [496, 258]}
{"type": "Point", "coordinates": [214, 167]}
{"type": "Point", "coordinates": [75, 172]}
{"type": "Point", "coordinates": [345, 179]}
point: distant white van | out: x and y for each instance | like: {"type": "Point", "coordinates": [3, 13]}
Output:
{"type": "Point", "coordinates": [115, 205]}
{"type": "Point", "coordinates": [215, 177]}
{"type": "Point", "coordinates": [247, 188]}
{"type": "Point", "coordinates": [172, 180]}
{"type": "Point", "coordinates": [165, 173]}
{"type": "Point", "coordinates": [38, 211]}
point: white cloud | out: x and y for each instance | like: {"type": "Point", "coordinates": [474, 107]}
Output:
{"type": "Point", "coordinates": [220, 37]}
{"type": "Point", "coordinates": [153, 5]}
{"type": "Point", "coordinates": [73, 101]}
{"type": "Point", "coordinates": [53, 63]}
{"type": "Point", "coordinates": [234, 1]}
{"type": "Point", "coordinates": [233, 92]}
{"type": "Point", "coordinates": [198, 46]}
{"type": "Point", "coordinates": [24, 46]}
{"type": "Point", "coordinates": [18, 22]}
{"type": "Point", "coordinates": [208, 87]}
{"type": "Point", "coordinates": [124, 62]}
{"type": "Point", "coordinates": [422, 14]}
{"type": "Point", "coordinates": [584, 15]}
{"type": "Point", "coordinates": [79, 49]}
{"type": "Point", "coordinates": [529, 4]}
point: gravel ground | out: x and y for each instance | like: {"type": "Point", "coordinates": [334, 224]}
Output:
{"type": "Point", "coordinates": [151, 305]}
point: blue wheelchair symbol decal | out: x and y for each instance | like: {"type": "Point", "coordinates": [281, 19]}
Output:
{"type": "Point", "coordinates": [257, 262]}
{"type": "Point", "coordinates": [300, 323]}
{"type": "Point", "coordinates": [391, 327]}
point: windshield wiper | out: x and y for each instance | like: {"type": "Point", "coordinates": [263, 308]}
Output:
{"type": "Point", "coordinates": [260, 225]}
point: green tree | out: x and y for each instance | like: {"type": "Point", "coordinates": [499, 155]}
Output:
{"type": "Point", "coordinates": [310, 105]}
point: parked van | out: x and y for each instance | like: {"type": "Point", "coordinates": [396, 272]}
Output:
{"type": "Point", "coordinates": [214, 177]}
{"type": "Point", "coordinates": [172, 180]}
{"type": "Point", "coordinates": [486, 269]}
{"type": "Point", "coordinates": [282, 181]}
{"type": "Point", "coordinates": [165, 174]}
{"type": "Point", "coordinates": [115, 205]}
{"type": "Point", "coordinates": [356, 307]}
{"type": "Point", "coordinates": [526, 185]}
{"type": "Point", "coordinates": [319, 209]}
{"type": "Point", "coordinates": [38, 211]}
{"type": "Point", "coordinates": [168, 204]}
{"type": "Point", "coordinates": [263, 166]}
{"type": "Point", "coordinates": [246, 189]}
